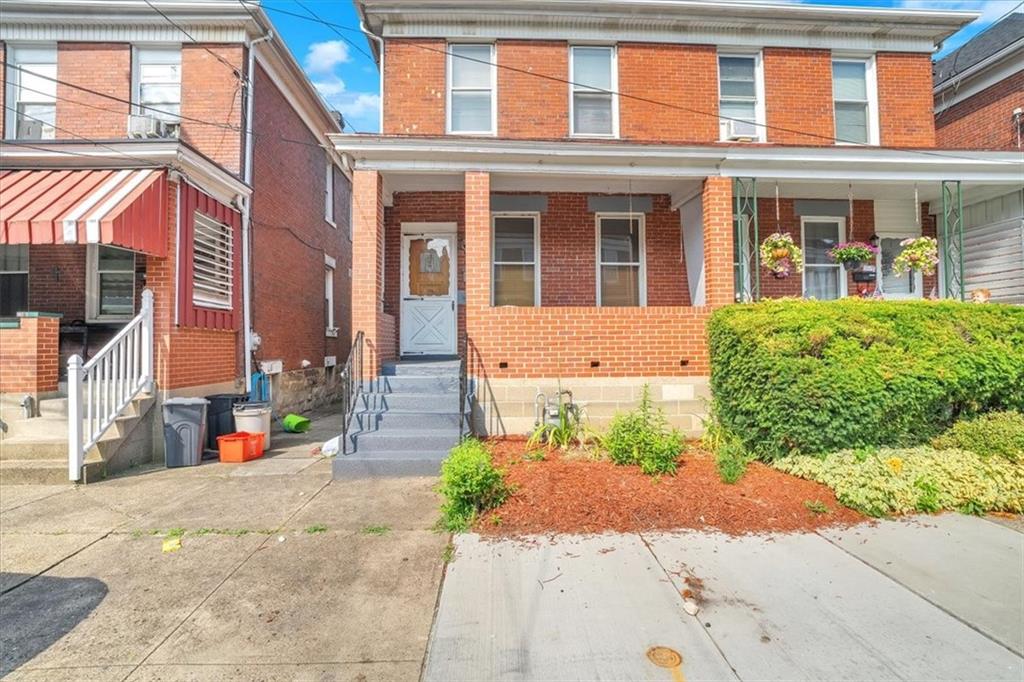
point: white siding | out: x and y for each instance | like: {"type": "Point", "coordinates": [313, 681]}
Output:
{"type": "Point", "coordinates": [994, 247]}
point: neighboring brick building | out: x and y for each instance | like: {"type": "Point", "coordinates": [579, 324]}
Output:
{"type": "Point", "coordinates": [563, 197]}
{"type": "Point", "coordinates": [201, 170]}
{"type": "Point", "coordinates": [979, 105]}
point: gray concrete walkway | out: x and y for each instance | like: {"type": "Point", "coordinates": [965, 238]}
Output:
{"type": "Point", "coordinates": [938, 598]}
{"type": "Point", "coordinates": [282, 574]}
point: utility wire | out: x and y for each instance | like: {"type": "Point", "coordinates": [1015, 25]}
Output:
{"type": "Point", "coordinates": [172, 22]}
{"type": "Point", "coordinates": [341, 35]}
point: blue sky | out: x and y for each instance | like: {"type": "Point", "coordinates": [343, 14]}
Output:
{"type": "Point", "coordinates": [348, 79]}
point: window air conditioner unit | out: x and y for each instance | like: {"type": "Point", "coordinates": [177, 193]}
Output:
{"type": "Point", "coordinates": [141, 126]}
{"type": "Point", "coordinates": [740, 130]}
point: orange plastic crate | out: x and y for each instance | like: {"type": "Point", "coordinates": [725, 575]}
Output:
{"type": "Point", "coordinates": [240, 447]}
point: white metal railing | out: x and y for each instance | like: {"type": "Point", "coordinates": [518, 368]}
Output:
{"type": "Point", "coordinates": [100, 389]}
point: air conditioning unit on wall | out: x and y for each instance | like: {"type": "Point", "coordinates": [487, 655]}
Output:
{"type": "Point", "coordinates": [740, 130]}
{"type": "Point", "coordinates": [149, 127]}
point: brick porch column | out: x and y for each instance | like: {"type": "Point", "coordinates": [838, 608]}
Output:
{"type": "Point", "coordinates": [28, 354]}
{"type": "Point", "coordinates": [719, 285]}
{"type": "Point", "coordinates": [478, 248]}
{"type": "Point", "coordinates": [368, 314]}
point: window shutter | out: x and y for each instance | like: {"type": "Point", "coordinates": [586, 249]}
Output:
{"type": "Point", "coordinates": [212, 263]}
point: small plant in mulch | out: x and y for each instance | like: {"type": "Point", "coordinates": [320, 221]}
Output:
{"type": "Point", "coordinates": [569, 431]}
{"type": "Point", "coordinates": [643, 437]}
{"type": "Point", "coordinates": [731, 458]}
{"type": "Point", "coordinates": [816, 507]}
{"type": "Point", "coordinates": [470, 484]}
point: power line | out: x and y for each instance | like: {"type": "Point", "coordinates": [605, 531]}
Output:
{"type": "Point", "coordinates": [638, 98]}
{"type": "Point", "coordinates": [314, 15]}
{"type": "Point", "coordinates": [234, 69]}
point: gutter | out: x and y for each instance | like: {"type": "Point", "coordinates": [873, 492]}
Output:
{"type": "Point", "coordinates": [380, 86]}
{"type": "Point", "coordinates": [247, 212]}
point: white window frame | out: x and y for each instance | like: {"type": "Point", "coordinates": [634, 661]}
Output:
{"type": "Point", "coordinates": [28, 265]}
{"type": "Point", "coordinates": [536, 251]}
{"type": "Point", "coordinates": [841, 235]}
{"type": "Point", "coordinates": [871, 84]}
{"type": "Point", "coordinates": [137, 108]}
{"type": "Point", "coordinates": [330, 265]}
{"type": "Point", "coordinates": [918, 277]}
{"type": "Point", "coordinates": [642, 245]}
{"type": "Point", "coordinates": [760, 113]}
{"type": "Point", "coordinates": [197, 299]}
{"type": "Point", "coordinates": [329, 193]}
{"type": "Point", "coordinates": [450, 87]}
{"type": "Point", "coordinates": [614, 92]}
{"type": "Point", "coordinates": [17, 53]}
{"type": "Point", "coordinates": [92, 285]}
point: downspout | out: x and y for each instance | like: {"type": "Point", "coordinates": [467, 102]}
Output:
{"type": "Point", "coordinates": [247, 214]}
{"type": "Point", "coordinates": [380, 45]}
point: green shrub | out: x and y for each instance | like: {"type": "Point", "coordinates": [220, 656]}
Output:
{"type": "Point", "coordinates": [731, 458]}
{"type": "Point", "coordinates": [643, 437]}
{"type": "Point", "coordinates": [568, 431]}
{"type": "Point", "coordinates": [996, 433]}
{"type": "Point", "coordinates": [922, 479]}
{"type": "Point", "coordinates": [808, 377]}
{"type": "Point", "coordinates": [470, 484]}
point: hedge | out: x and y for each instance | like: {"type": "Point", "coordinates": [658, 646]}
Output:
{"type": "Point", "coordinates": [810, 377]}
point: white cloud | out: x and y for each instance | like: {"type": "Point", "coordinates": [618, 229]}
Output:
{"type": "Point", "coordinates": [324, 57]}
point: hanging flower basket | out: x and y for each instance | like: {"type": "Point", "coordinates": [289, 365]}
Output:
{"type": "Point", "coordinates": [919, 254]}
{"type": "Point", "coordinates": [781, 255]}
{"type": "Point", "coordinates": [853, 255]}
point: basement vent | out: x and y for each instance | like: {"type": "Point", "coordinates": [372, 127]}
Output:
{"type": "Point", "coordinates": [212, 263]}
{"type": "Point", "coordinates": [502, 365]}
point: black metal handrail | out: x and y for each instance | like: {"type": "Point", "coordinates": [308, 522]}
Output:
{"type": "Point", "coordinates": [351, 387]}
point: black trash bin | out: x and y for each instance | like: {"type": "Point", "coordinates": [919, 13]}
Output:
{"type": "Point", "coordinates": [220, 421]}
{"type": "Point", "coordinates": [184, 431]}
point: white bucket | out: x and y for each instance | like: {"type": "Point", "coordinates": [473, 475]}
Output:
{"type": "Point", "coordinates": [253, 418]}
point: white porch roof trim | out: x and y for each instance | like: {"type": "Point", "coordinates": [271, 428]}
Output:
{"type": "Point", "coordinates": [847, 163]}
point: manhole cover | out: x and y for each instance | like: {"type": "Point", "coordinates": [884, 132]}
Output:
{"type": "Point", "coordinates": [664, 657]}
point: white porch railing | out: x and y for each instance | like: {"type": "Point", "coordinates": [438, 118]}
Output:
{"type": "Point", "coordinates": [100, 389]}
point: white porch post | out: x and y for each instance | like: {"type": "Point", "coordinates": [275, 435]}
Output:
{"type": "Point", "coordinates": [75, 442]}
{"type": "Point", "coordinates": [147, 340]}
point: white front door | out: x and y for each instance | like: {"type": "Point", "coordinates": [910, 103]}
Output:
{"type": "Point", "coordinates": [428, 294]}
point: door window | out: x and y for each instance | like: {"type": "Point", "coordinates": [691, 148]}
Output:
{"type": "Point", "coordinates": [429, 266]}
{"type": "Point", "coordinates": [823, 277]}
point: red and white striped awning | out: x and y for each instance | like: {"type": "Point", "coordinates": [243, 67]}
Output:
{"type": "Point", "coordinates": [126, 208]}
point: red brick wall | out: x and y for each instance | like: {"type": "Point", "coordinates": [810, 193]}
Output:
{"type": "Point", "coordinates": [414, 88]}
{"type": "Point", "coordinates": [28, 356]}
{"type": "Point", "coordinates": [985, 120]}
{"type": "Point", "coordinates": [529, 106]}
{"type": "Point", "coordinates": [683, 75]}
{"type": "Point", "coordinates": [291, 236]}
{"type": "Point", "coordinates": [368, 315]}
{"type": "Point", "coordinates": [719, 285]}
{"type": "Point", "coordinates": [105, 68]}
{"type": "Point", "coordinates": [905, 99]}
{"type": "Point", "coordinates": [56, 279]}
{"type": "Point", "coordinates": [798, 96]}
{"type": "Point", "coordinates": [212, 92]}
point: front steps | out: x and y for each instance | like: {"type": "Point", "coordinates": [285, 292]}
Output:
{"type": "Point", "coordinates": [35, 451]}
{"type": "Point", "coordinates": [405, 422]}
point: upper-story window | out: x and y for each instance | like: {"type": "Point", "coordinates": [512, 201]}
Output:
{"type": "Point", "coordinates": [329, 192]}
{"type": "Point", "coordinates": [156, 82]}
{"type": "Point", "coordinates": [471, 87]}
{"type": "Point", "coordinates": [855, 100]}
{"type": "Point", "coordinates": [740, 97]}
{"type": "Point", "coordinates": [31, 92]}
{"type": "Point", "coordinates": [594, 105]}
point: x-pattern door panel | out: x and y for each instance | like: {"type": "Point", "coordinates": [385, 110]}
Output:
{"type": "Point", "coordinates": [428, 294]}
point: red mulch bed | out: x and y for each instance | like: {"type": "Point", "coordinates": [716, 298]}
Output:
{"type": "Point", "coordinates": [573, 495]}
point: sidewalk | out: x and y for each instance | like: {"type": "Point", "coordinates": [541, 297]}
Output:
{"type": "Point", "coordinates": [282, 573]}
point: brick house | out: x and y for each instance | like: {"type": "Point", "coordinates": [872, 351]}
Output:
{"type": "Point", "coordinates": [979, 104]}
{"type": "Point", "coordinates": [180, 150]}
{"type": "Point", "coordinates": [561, 194]}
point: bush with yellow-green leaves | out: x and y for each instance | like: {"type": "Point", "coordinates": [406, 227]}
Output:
{"type": "Point", "coordinates": [905, 480]}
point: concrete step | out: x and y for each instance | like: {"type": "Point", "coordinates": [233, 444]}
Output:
{"type": "Point", "coordinates": [25, 448]}
{"type": "Point", "coordinates": [412, 383]}
{"type": "Point", "coordinates": [405, 441]}
{"type": "Point", "coordinates": [426, 367]}
{"type": "Point", "coordinates": [395, 420]}
{"type": "Point", "coordinates": [34, 471]}
{"type": "Point", "coordinates": [388, 464]}
{"type": "Point", "coordinates": [409, 402]}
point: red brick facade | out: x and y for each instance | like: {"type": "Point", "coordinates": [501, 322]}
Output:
{"type": "Point", "coordinates": [212, 92]}
{"type": "Point", "coordinates": [984, 120]}
{"type": "Point", "coordinates": [531, 106]}
{"type": "Point", "coordinates": [798, 96]}
{"type": "Point", "coordinates": [28, 356]}
{"type": "Point", "coordinates": [102, 67]}
{"type": "Point", "coordinates": [414, 88]}
{"type": "Point", "coordinates": [904, 99]}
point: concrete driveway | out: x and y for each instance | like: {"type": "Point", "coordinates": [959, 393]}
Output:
{"type": "Point", "coordinates": [934, 598]}
{"type": "Point", "coordinates": [282, 574]}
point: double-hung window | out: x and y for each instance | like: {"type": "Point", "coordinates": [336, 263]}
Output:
{"type": "Point", "coordinates": [329, 192]}
{"type": "Point", "coordinates": [471, 87]}
{"type": "Point", "coordinates": [621, 277]}
{"type": "Point", "coordinates": [516, 258]}
{"type": "Point", "coordinates": [854, 100]}
{"type": "Point", "coordinates": [593, 73]}
{"type": "Point", "coordinates": [156, 82]}
{"type": "Point", "coordinates": [13, 279]}
{"type": "Point", "coordinates": [110, 289]}
{"type": "Point", "coordinates": [740, 105]}
{"type": "Point", "coordinates": [212, 263]}
{"type": "Point", "coordinates": [329, 266]}
{"type": "Point", "coordinates": [824, 279]}
{"type": "Point", "coordinates": [31, 92]}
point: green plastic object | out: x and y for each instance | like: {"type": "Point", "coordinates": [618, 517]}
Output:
{"type": "Point", "coordinates": [294, 423]}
